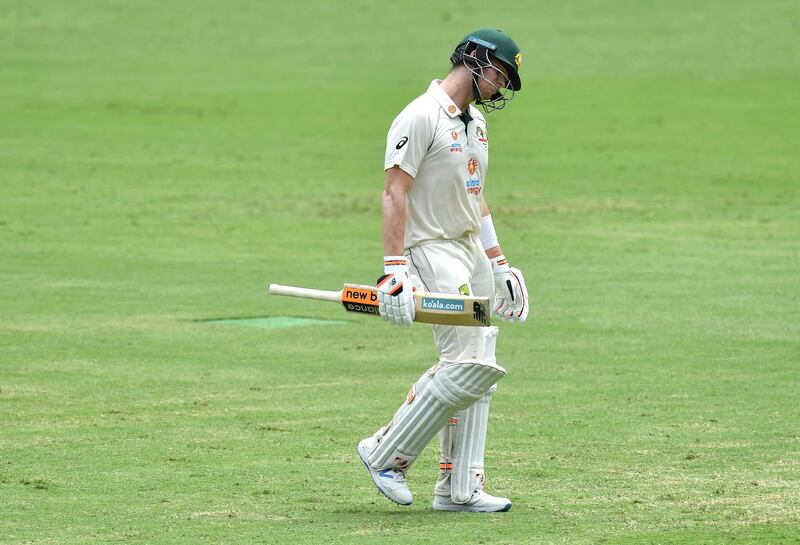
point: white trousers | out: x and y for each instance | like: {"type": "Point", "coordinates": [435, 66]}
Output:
{"type": "Point", "coordinates": [454, 266]}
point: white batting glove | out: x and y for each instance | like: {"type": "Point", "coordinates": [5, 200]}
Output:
{"type": "Point", "coordinates": [511, 301]}
{"type": "Point", "coordinates": [395, 292]}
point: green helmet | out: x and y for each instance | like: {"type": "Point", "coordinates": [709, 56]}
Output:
{"type": "Point", "coordinates": [497, 44]}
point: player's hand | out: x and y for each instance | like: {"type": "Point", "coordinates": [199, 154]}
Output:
{"type": "Point", "coordinates": [395, 292]}
{"type": "Point", "coordinates": [511, 301]}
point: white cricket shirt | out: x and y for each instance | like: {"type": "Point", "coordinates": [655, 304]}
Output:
{"type": "Point", "coordinates": [448, 161]}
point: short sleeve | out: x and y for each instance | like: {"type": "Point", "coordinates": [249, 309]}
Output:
{"type": "Point", "coordinates": [408, 141]}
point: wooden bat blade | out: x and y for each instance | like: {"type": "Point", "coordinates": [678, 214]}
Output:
{"type": "Point", "coordinates": [451, 309]}
{"type": "Point", "coordinates": [429, 308]}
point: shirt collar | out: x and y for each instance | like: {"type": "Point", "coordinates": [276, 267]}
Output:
{"type": "Point", "coordinates": [444, 100]}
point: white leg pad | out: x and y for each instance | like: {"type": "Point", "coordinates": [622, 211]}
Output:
{"type": "Point", "coordinates": [468, 440]}
{"type": "Point", "coordinates": [439, 393]}
{"type": "Point", "coordinates": [463, 442]}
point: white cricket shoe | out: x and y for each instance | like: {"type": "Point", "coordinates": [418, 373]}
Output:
{"type": "Point", "coordinates": [391, 482]}
{"type": "Point", "coordinates": [479, 502]}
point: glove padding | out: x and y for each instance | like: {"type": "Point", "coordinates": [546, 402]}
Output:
{"type": "Point", "coordinates": [395, 292]}
{"type": "Point", "coordinates": [511, 301]}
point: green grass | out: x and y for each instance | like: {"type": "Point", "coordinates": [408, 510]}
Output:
{"type": "Point", "coordinates": [160, 163]}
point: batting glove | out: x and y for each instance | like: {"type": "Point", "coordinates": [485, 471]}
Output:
{"type": "Point", "coordinates": [395, 292]}
{"type": "Point", "coordinates": [510, 294]}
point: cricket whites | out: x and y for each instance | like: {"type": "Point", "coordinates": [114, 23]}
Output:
{"type": "Point", "coordinates": [430, 308]}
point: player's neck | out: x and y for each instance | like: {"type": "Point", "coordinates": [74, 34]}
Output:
{"type": "Point", "coordinates": [458, 87]}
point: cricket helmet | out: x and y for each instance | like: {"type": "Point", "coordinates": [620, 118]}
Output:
{"type": "Point", "coordinates": [486, 48]}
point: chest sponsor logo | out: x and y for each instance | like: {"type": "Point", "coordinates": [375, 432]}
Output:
{"type": "Point", "coordinates": [403, 141]}
{"type": "Point", "coordinates": [440, 303]}
{"type": "Point", "coordinates": [474, 186]}
{"type": "Point", "coordinates": [456, 146]}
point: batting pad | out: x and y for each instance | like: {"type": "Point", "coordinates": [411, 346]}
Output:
{"type": "Point", "coordinates": [431, 402]}
{"type": "Point", "coordinates": [463, 442]}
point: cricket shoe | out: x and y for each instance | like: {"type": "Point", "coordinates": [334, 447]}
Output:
{"type": "Point", "coordinates": [479, 502]}
{"type": "Point", "coordinates": [390, 482]}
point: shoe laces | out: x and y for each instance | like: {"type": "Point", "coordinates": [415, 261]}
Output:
{"type": "Point", "coordinates": [396, 475]}
{"type": "Point", "coordinates": [399, 476]}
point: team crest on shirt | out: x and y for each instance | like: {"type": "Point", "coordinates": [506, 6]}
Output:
{"type": "Point", "coordinates": [481, 134]}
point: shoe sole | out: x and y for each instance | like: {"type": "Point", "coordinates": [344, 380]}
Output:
{"type": "Point", "coordinates": [375, 479]}
{"type": "Point", "coordinates": [467, 509]}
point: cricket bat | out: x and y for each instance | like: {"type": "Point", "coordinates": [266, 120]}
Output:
{"type": "Point", "coordinates": [430, 308]}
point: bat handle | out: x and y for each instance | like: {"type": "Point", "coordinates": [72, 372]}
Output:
{"type": "Point", "coordinates": [305, 293]}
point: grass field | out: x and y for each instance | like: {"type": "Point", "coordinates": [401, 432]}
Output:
{"type": "Point", "coordinates": [161, 162]}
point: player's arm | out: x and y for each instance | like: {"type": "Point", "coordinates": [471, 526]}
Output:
{"type": "Point", "coordinates": [398, 182]}
{"type": "Point", "coordinates": [493, 250]}
{"type": "Point", "coordinates": [395, 299]}
{"type": "Point", "coordinates": [406, 146]}
{"type": "Point", "coordinates": [511, 301]}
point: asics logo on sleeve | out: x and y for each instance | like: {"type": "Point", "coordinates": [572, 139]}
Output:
{"type": "Point", "coordinates": [402, 142]}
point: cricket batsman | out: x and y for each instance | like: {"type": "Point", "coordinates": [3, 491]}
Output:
{"type": "Point", "coordinates": [438, 236]}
